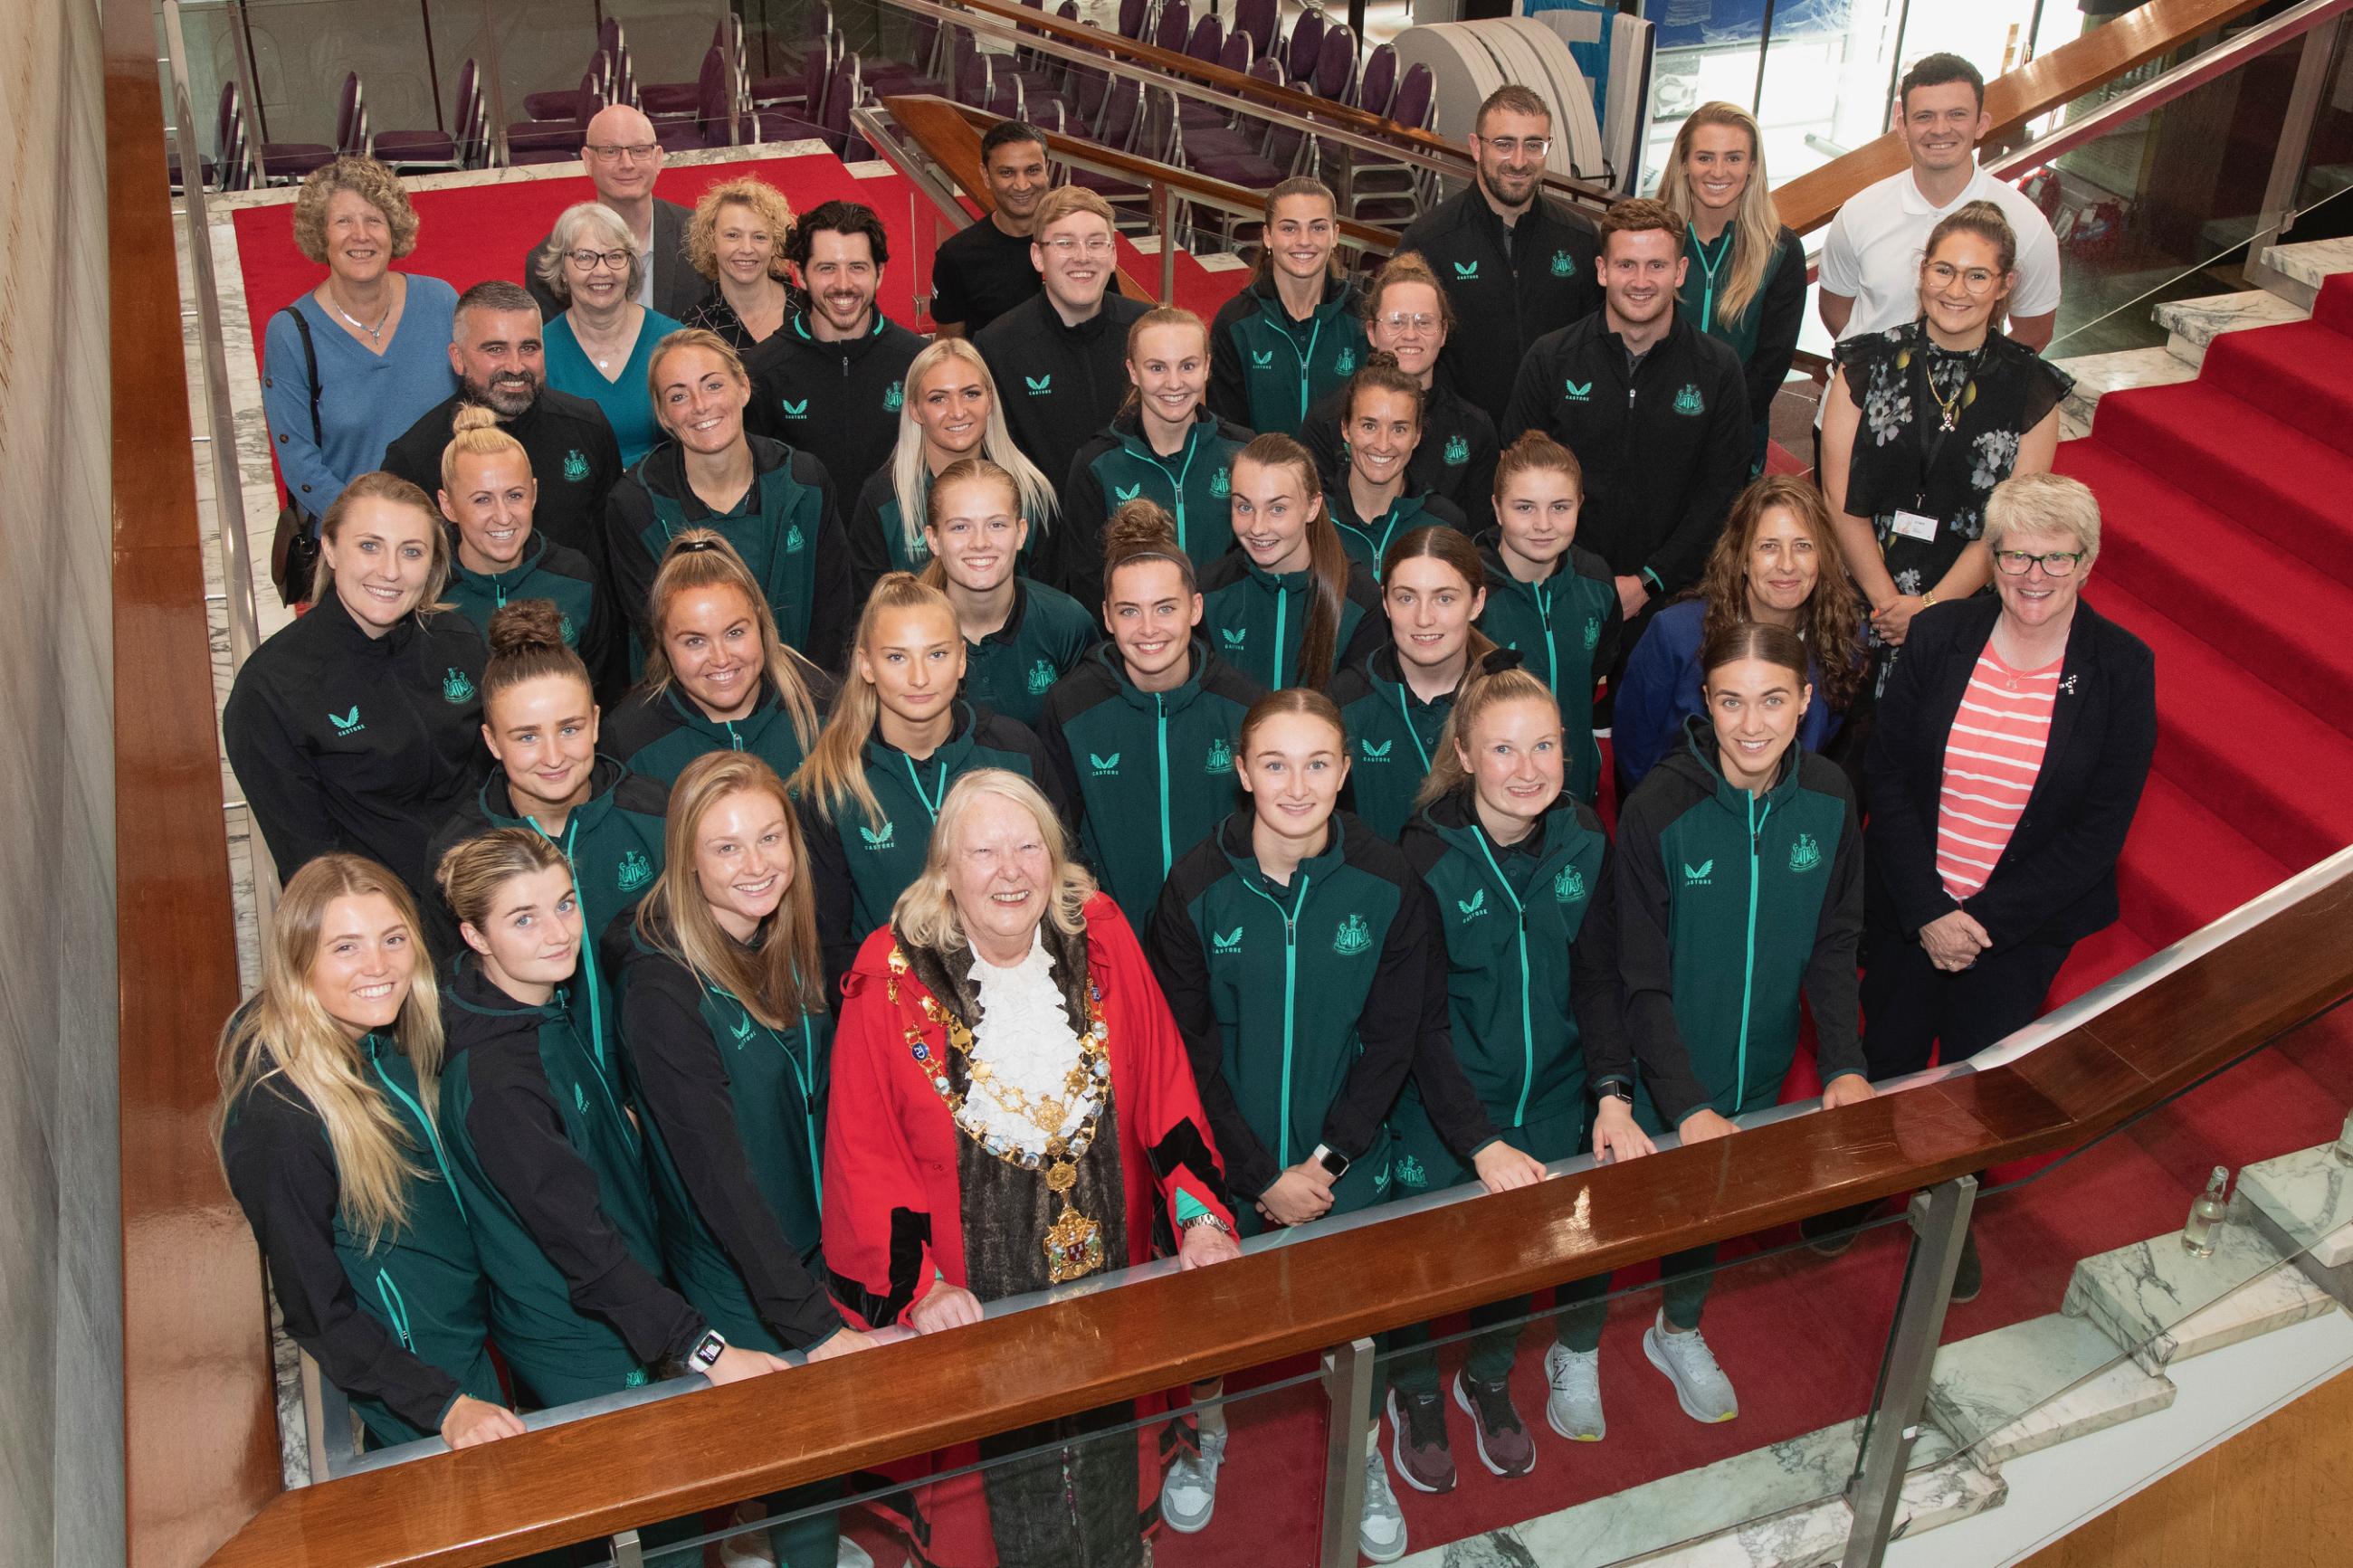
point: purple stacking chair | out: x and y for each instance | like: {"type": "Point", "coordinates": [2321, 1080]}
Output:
{"type": "Point", "coordinates": [1206, 45]}
{"type": "Point", "coordinates": [1300, 55]}
{"type": "Point", "coordinates": [1391, 193]}
{"type": "Point", "coordinates": [1122, 118]}
{"type": "Point", "coordinates": [842, 95]}
{"type": "Point", "coordinates": [1132, 15]}
{"type": "Point", "coordinates": [1175, 26]}
{"type": "Point", "coordinates": [419, 151]}
{"type": "Point", "coordinates": [1238, 51]}
{"type": "Point", "coordinates": [1256, 17]}
{"type": "Point", "coordinates": [352, 137]}
{"type": "Point", "coordinates": [665, 98]}
{"type": "Point", "coordinates": [285, 163]}
{"type": "Point", "coordinates": [557, 141]}
{"type": "Point", "coordinates": [1334, 69]}
{"type": "Point", "coordinates": [1376, 83]}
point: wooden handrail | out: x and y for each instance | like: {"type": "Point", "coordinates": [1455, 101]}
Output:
{"type": "Point", "coordinates": [2042, 84]}
{"type": "Point", "coordinates": [676, 1457]}
{"type": "Point", "coordinates": [950, 135]}
{"type": "Point", "coordinates": [200, 1431]}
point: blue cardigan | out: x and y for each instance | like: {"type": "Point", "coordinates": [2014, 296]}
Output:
{"type": "Point", "coordinates": [1660, 689]}
{"type": "Point", "coordinates": [366, 401]}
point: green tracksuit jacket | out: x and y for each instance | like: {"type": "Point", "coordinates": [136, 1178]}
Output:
{"type": "Point", "coordinates": [1528, 984]}
{"type": "Point", "coordinates": [1566, 630]}
{"type": "Point", "coordinates": [734, 1122]}
{"type": "Point", "coordinates": [1301, 1005]}
{"type": "Point", "coordinates": [1727, 907]}
{"type": "Point", "coordinates": [1367, 541]}
{"type": "Point", "coordinates": [563, 577]}
{"type": "Point", "coordinates": [1013, 667]}
{"type": "Point", "coordinates": [1392, 737]}
{"type": "Point", "coordinates": [1266, 370]}
{"type": "Point", "coordinates": [657, 734]}
{"type": "Point", "coordinates": [1256, 619]}
{"type": "Point", "coordinates": [1153, 772]}
{"type": "Point", "coordinates": [553, 1173]}
{"type": "Point", "coordinates": [1196, 486]}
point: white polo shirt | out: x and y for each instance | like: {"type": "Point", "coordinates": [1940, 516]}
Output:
{"type": "Point", "coordinates": [1871, 254]}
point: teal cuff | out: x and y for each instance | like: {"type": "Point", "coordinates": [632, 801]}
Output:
{"type": "Point", "coordinates": [1652, 579]}
{"type": "Point", "coordinates": [1190, 1208]}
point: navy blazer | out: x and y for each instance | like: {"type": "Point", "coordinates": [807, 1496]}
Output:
{"type": "Point", "coordinates": [2056, 879]}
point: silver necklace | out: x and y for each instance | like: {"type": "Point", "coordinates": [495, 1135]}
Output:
{"type": "Point", "coordinates": [376, 333]}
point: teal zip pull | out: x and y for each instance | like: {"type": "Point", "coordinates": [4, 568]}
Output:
{"type": "Point", "coordinates": [1167, 841]}
{"type": "Point", "coordinates": [1748, 973]}
{"type": "Point", "coordinates": [396, 1309]}
{"type": "Point", "coordinates": [1290, 997]}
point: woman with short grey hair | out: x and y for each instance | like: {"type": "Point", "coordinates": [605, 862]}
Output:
{"type": "Point", "coordinates": [602, 344]}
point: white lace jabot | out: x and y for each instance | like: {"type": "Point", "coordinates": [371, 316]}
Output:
{"type": "Point", "coordinates": [1026, 1039]}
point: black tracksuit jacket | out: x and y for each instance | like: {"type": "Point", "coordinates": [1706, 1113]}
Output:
{"type": "Point", "coordinates": [838, 401]}
{"type": "Point", "coordinates": [1506, 294]}
{"type": "Point", "coordinates": [1059, 385]}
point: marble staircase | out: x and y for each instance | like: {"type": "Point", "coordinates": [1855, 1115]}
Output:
{"type": "Point", "coordinates": [2129, 1317]}
{"type": "Point", "coordinates": [2192, 324]}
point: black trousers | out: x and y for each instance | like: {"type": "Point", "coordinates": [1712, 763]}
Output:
{"type": "Point", "coordinates": [1909, 1005]}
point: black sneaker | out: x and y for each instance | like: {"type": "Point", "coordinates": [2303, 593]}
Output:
{"type": "Point", "coordinates": [1968, 1278]}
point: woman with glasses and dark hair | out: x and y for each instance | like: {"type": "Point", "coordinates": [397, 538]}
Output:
{"type": "Point", "coordinates": [2012, 741]}
{"type": "Point", "coordinates": [1923, 420]}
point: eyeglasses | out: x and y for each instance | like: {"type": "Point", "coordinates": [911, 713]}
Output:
{"type": "Point", "coordinates": [1065, 244]}
{"type": "Point", "coordinates": [613, 155]}
{"type": "Point", "coordinates": [1513, 146]}
{"type": "Point", "coordinates": [2055, 563]}
{"type": "Point", "coordinates": [1419, 326]}
{"type": "Point", "coordinates": [589, 260]}
{"type": "Point", "coordinates": [1976, 280]}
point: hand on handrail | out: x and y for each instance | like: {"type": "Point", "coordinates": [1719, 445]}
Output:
{"type": "Point", "coordinates": [1501, 1167]}
{"type": "Point", "coordinates": [1301, 1194]}
{"type": "Point", "coordinates": [945, 1307]}
{"type": "Point", "coordinates": [1617, 1135]}
{"type": "Point", "coordinates": [1847, 1089]}
{"type": "Point", "coordinates": [848, 1341]}
{"type": "Point", "coordinates": [1703, 1124]}
{"type": "Point", "coordinates": [473, 1421]}
{"type": "Point", "coordinates": [736, 1364]}
{"type": "Point", "coordinates": [1204, 1245]}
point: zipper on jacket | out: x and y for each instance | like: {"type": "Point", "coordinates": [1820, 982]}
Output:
{"type": "Point", "coordinates": [587, 947]}
{"type": "Point", "coordinates": [1527, 1020]}
{"type": "Point", "coordinates": [396, 1309]}
{"type": "Point", "coordinates": [1177, 478]}
{"type": "Point", "coordinates": [931, 803]}
{"type": "Point", "coordinates": [1542, 594]}
{"type": "Point", "coordinates": [1748, 971]}
{"type": "Point", "coordinates": [603, 1087]}
{"type": "Point", "coordinates": [1167, 845]}
{"type": "Point", "coordinates": [432, 1139]}
{"type": "Point", "coordinates": [800, 1081]}
{"type": "Point", "coordinates": [734, 736]}
{"type": "Point", "coordinates": [1290, 1001]}
{"type": "Point", "coordinates": [1415, 736]}
{"type": "Point", "coordinates": [1281, 608]}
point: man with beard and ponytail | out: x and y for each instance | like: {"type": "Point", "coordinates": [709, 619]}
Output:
{"type": "Point", "coordinates": [832, 379]}
{"type": "Point", "coordinates": [495, 348]}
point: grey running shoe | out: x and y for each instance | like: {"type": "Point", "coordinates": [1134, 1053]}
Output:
{"type": "Point", "coordinates": [1701, 1387]}
{"type": "Point", "coordinates": [1381, 1536]}
{"type": "Point", "coordinates": [1189, 1495]}
{"type": "Point", "coordinates": [1573, 1409]}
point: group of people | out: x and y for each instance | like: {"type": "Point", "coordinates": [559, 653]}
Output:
{"type": "Point", "coordinates": [1164, 804]}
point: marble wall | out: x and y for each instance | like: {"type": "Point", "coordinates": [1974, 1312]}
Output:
{"type": "Point", "coordinates": [60, 1286]}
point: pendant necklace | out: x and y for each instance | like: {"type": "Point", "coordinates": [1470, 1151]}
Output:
{"type": "Point", "coordinates": [376, 333]}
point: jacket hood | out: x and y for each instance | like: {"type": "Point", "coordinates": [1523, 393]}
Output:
{"type": "Point", "coordinates": [1176, 699]}
{"type": "Point", "coordinates": [605, 776]}
{"type": "Point", "coordinates": [534, 550]}
{"type": "Point", "coordinates": [479, 1015]}
{"type": "Point", "coordinates": [1696, 760]}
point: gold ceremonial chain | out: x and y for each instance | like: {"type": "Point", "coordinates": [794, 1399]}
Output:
{"type": "Point", "coordinates": [1073, 1243]}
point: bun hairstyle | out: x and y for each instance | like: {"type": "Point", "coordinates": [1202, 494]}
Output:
{"type": "Point", "coordinates": [962, 471]}
{"type": "Point", "coordinates": [472, 872]}
{"type": "Point", "coordinates": [1536, 451]}
{"type": "Point", "coordinates": [782, 976]}
{"type": "Point", "coordinates": [833, 775]}
{"type": "Point", "coordinates": [702, 558]}
{"type": "Point", "coordinates": [283, 1032]}
{"type": "Point", "coordinates": [1408, 267]}
{"type": "Point", "coordinates": [1831, 619]}
{"type": "Point", "coordinates": [1141, 531]}
{"type": "Point", "coordinates": [1482, 689]}
{"type": "Point", "coordinates": [1753, 639]}
{"type": "Point", "coordinates": [1300, 699]}
{"type": "Point", "coordinates": [475, 432]}
{"type": "Point", "coordinates": [1453, 547]}
{"type": "Point", "coordinates": [1380, 374]}
{"type": "Point", "coordinates": [526, 639]}
{"type": "Point", "coordinates": [1327, 557]}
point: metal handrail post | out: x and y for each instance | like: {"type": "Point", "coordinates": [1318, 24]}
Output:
{"type": "Point", "coordinates": [1163, 206]}
{"type": "Point", "coordinates": [249, 93]}
{"type": "Point", "coordinates": [1349, 1387]}
{"type": "Point", "coordinates": [2286, 178]}
{"type": "Point", "coordinates": [499, 156]}
{"type": "Point", "coordinates": [1940, 1227]}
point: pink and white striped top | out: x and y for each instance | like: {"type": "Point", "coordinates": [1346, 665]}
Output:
{"type": "Point", "coordinates": [1991, 762]}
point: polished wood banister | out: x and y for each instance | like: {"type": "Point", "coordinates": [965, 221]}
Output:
{"type": "Point", "coordinates": [950, 134]}
{"type": "Point", "coordinates": [2042, 84]}
{"type": "Point", "coordinates": [200, 1434]}
{"type": "Point", "coordinates": [678, 1455]}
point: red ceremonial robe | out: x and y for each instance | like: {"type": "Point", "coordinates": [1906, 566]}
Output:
{"type": "Point", "coordinates": [893, 1211]}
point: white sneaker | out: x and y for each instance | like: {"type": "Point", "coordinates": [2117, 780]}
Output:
{"type": "Point", "coordinates": [1189, 1495]}
{"type": "Point", "coordinates": [852, 1556]}
{"type": "Point", "coordinates": [751, 1548]}
{"type": "Point", "coordinates": [1701, 1387]}
{"type": "Point", "coordinates": [1573, 1408]}
{"type": "Point", "coordinates": [1381, 1534]}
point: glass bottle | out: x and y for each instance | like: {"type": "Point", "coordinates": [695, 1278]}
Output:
{"type": "Point", "coordinates": [2207, 1211]}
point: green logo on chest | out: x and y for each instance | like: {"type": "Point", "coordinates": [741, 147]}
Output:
{"type": "Point", "coordinates": [1233, 637]}
{"type": "Point", "coordinates": [1221, 483]}
{"type": "Point", "coordinates": [1221, 758]}
{"type": "Point", "coordinates": [1592, 633]}
{"type": "Point", "coordinates": [742, 1030]}
{"type": "Point", "coordinates": [1805, 854]}
{"type": "Point", "coordinates": [793, 410]}
{"type": "Point", "coordinates": [576, 466]}
{"type": "Point", "coordinates": [1123, 494]}
{"type": "Point", "coordinates": [1464, 271]}
{"type": "Point", "coordinates": [1040, 386]}
{"type": "Point", "coordinates": [1698, 876]}
{"type": "Point", "coordinates": [1458, 451]}
{"type": "Point", "coordinates": [1041, 678]}
{"type": "Point", "coordinates": [1262, 361]}
{"type": "Point", "coordinates": [456, 686]}
{"type": "Point", "coordinates": [1230, 942]}
{"type": "Point", "coordinates": [1569, 886]}
{"type": "Point", "coordinates": [1375, 752]}
{"type": "Point", "coordinates": [894, 397]}
{"type": "Point", "coordinates": [1347, 364]}
{"type": "Point", "coordinates": [878, 839]}
{"type": "Point", "coordinates": [580, 1098]}
{"type": "Point", "coordinates": [1105, 766]}
{"type": "Point", "coordinates": [792, 539]}
{"type": "Point", "coordinates": [1575, 392]}
{"type": "Point", "coordinates": [1689, 403]}
{"type": "Point", "coordinates": [635, 873]}
{"type": "Point", "coordinates": [1474, 906]}
{"type": "Point", "coordinates": [1353, 937]}
{"type": "Point", "coordinates": [347, 723]}
{"type": "Point", "coordinates": [1410, 1172]}
{"type": "Point", "coordinates": [1561, 264]}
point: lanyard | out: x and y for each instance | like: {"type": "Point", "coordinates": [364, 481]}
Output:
{"type": "Point", "coordinates": [931, 802]}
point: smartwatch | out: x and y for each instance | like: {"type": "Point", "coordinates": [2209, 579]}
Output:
{"type": "Point", "coordinates": [1615, 1090]}
{"type": "Point", "coordinates": [1332, 1160]}
{"type": "Point", "coordinates": [706, 1351]}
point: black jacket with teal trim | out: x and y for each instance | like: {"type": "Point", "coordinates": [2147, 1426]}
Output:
{"type": "Point", "coordinates": [734, 1122]}
{"type": "Point", "coordinates": [1301, 1005]}
{"type": "Point", "coordinates": [1665, 452]}
{"type": "Point", "coordinates": [1531, 993]}
{"type": "Point", "coordinates": [1153, 772]}
{"type": "Point", "coordinates": [1508, 288]}
{"type": "Point", "coordinates": [1119, 466]}
{"type": "Point", "coordinates": [1367, 541]}
{"type": "Point", "coordinates": [839, 401]}
{"type": "Point", "coordinates": [1392, 739]}
{"type": "Point", "coordinates": [563, 577]}
{"type": "Point", "coordinates": [1456, 456]}
{"type": "Point", "coordinates": [878, 541]}
{"type": "Point", "coordinates": [786, 528]}
{"type": "Point", "coordinates": [1267, 370]}
{"type": "Point", "coordinates": [1256, 620]}
{"type": "Point", "coordinates": [1012, 668]}
{"type": "Point", "coordinates": [657, 734]}
{"type": "Point", "coordinates": [1058, 384]}
{"type": "Point", "coordinates": [573, 454]}
{"type": "Point", "coordinates": [1565, 629]}
{"type": "Point", "coordinates": [341, 741]}
{"type": "Point", "coordinates": [1728, 908]}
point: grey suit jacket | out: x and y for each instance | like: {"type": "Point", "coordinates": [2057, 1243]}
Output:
{"type": "Point", "coordinates": [678, 288]}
